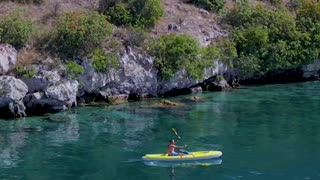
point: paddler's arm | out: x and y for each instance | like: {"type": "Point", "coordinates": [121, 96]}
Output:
{"type": "Point", "coordinates": [181, 147]}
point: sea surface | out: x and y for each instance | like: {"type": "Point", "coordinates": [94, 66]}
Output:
{"type": "Point", "coordinates": [265, 132]}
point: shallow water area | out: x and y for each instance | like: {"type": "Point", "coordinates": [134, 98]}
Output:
{"type": "Point", "coordinates": [265, 132]}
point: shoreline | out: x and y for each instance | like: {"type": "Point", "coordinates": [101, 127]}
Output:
{"type": "Point", "coordinates": [160, 103]}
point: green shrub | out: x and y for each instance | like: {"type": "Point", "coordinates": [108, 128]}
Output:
{"type": "Point", "coordinates": [210, 5]}
{"type": "Point", "coordinates": [221, 49]}
{"type": "Point", "coordinates": [102, 62]}
{"type": "Point", "coordinates": [14, 30]}
{"type": "Point", "coordinates": [26, 72]}
{"type": "Point", "coordinates": [81, 31]}
{"type": "Point", "coordinates": [247, 66]}
{"type": "Point", "coordinates": [119, 15]}
{"type": "Point", "coordinates": [146, 13]}
{"type": "Point", "coordinates": [308, 22]}
{"type": "Point", "coordinates": [174, 52]}
{"type": "Point", "coordinates": [268, 39]}
{"type": "Point", "coordinates": [133, 12]}
{"type": "Point", "coordinates": [74, 69]}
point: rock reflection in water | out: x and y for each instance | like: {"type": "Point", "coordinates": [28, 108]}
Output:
{"type": "Point", "coordinates": [65, 133]}
{"type": "Point", "coordinates": [9, 148]}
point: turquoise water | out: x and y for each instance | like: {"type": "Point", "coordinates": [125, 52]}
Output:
{"type": "Point", "coordinates": [265, 132]}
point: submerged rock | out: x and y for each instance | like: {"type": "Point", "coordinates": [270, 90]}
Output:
{"type": "Point", "coordinates": [118, 99]}
{"type": "Point", "coordinates": [196, 98]}
{"type": "Point", "coordinates": [166, 103]}
{"type": "Point", "coordinates": [57, 118]}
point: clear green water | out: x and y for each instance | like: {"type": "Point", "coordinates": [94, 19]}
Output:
{"type": "Point", "coordinates": [265, 132]}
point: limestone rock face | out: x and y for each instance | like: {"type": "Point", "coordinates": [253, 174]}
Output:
{"type": "Point", "coordinates": [12, 91]}
{"type": "Point", "coordinates": [215, 83]}
{"type": "Point", "coordinates": [178, 81]}
{"type": "Point", "coordinates": [65, 92]}
{"type": "Point", "coordinates": [218, 86]}
{"type": "Point", "coordinates": [136, 75]}
{"type": "Point", "coordinates": [58, 97]}
{"type": "Point", "coordinates": [38, 103]}
{"type": "Point", "coordinates": [311, 70]}
{"type": "Point", "coordinates": [180, 84]}
{"type": "Point", "coordinates": [44, 78]}
{"type": "Point", "coordinates": [218, 68]}
{"type": "Point", "coordinates": [49, 91]}
{"type": "Point", "coordinates": [8, 58]}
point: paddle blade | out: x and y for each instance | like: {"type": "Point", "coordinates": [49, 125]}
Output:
{"type": "Point", "coordinates": [176, 133]}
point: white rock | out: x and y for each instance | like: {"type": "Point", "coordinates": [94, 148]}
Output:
{"type": "Point", "coordinates": [11, 89]}
{"type": "Point", "coordinates": [8, 58]}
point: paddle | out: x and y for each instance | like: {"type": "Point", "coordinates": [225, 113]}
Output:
{"type": "Point", "coordinates": [175, 132]}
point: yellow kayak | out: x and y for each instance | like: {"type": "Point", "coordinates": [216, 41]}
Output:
{"type": "Point", "coordinates": [192, 156]}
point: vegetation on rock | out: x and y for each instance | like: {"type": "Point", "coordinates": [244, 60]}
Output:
{"type": "Point", "coordinates": [139, 13]}
{"type": "Point", "coordinates": [15, 30]}
{"type": "Point", "coordinates": [268, 40]}
{"type": "Point", "coordinates": [308, 23]}
{"type": "Point", "coordinates": [102, 62]}
{"type": "Point", "coordinates": [26, 72]}
{"type": "Point", "coordinates": [81, 31]}
{"type": "Point", "coordinates": [74, 69]}
{"type": "Point", "coordinates": [210, 5]}
{"type": "Point", "coordinates": [174, 52]}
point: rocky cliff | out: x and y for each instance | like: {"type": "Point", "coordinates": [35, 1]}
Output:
{"type": "Point", "coordinates": [52, 90]}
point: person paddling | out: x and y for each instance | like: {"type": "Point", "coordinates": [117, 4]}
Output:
{"type": "Point", "coordinates": [172, 146]}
